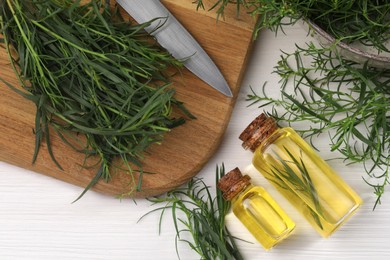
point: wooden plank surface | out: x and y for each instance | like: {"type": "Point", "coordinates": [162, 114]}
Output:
{"type": "Point", "coordinates": [184, 150]}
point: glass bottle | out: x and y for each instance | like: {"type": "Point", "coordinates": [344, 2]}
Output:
{"type": "Point", "coordinates": [298, 172]}
{"type": "Point", "coordinates": [256, 209]}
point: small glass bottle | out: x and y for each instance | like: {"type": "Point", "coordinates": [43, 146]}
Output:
{"type": "Point", "coordinates": [298, 172]}
{"type": "Point", "coordinates": [256, 209]}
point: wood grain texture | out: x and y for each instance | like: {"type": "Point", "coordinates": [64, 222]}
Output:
{"type": "Point", "coordinates": [184, 150]}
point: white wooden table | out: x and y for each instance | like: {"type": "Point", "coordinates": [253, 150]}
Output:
{"type": "Point", "coordinates": [38, 220]}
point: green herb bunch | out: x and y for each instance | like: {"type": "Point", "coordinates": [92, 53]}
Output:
{"type": "Point", "coordinates": [90, 74]}
{"type": "Point", "coordinates": [348, 101]}
{"type": "Point", "coordinates": [365, 21]}
{"type": "Point", "coordinates": [196, 212]}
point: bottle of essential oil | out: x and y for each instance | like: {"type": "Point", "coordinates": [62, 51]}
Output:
{"type": "Point", "coordinates": [303, 177]}
{"type": "Point", "coordinates": [256, 209]}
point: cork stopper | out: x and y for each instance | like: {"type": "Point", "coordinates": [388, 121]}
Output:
{"type": "Point", "coordinates": [257, 131]}
{"type": "Point", "coordinates": [232, 183]}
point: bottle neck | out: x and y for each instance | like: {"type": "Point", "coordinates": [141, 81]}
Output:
{"type": "Point", "coordinates": [258, 131]}
{"type": "Point", "coordinates": [233, 183]}
{"type": "Point", "coordinates": [237, 188]}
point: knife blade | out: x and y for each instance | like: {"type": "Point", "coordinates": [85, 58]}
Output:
{"type": "Point", "coordinates": [172, 36]}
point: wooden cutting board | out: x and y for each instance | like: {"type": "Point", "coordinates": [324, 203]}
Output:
{"type": "Point", "coordinates": [184, 150]}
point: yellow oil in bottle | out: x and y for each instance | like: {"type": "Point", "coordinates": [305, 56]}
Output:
{"type": "Point", "coordinates": [305, 179]}
{"type": "Point", "coordinates": [256, 209]}
{"type": "Point", "coordinates": [262, 216]}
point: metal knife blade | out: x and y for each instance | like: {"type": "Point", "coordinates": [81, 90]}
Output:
{"type": "Point", "coordinates": [177, 40]}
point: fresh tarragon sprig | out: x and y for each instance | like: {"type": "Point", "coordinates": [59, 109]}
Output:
{"type": "Point", "coordinates": [293, 170]}
{"type": "Point", "coordinates": [197, 212]}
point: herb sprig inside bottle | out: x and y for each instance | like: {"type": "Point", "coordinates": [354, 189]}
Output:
{"type": "Point", "coordinates": [300, 174]}
{"type": "Point", "coordinates": [90, 72]}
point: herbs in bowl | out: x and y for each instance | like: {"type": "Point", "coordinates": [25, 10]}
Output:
{"type": "Point", "coordinates": [360, 29]}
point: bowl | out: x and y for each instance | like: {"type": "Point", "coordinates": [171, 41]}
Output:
{"type": "Point", "coordinates": [355, 51]}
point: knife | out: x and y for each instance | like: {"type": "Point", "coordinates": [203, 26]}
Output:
{"type": "Point", "coordinates": [177, 40]}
